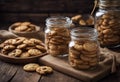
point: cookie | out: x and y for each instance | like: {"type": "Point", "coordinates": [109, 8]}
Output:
{"type": "Point", "coordinates": [21, 46]}
{"type": "Point", "coordinates": [36, 41]}
{"type": "Point", "coordinates": [91, 55]}
{"type": "Point", "coordinates": [72, 50]}
{"type": "Point", "coordinates": [90, 46]}
{"type": "Point", "coordinates": [16, 52]}
{"type": "Point", "coordinates": [34, 52]}
{"type": "Point", "coordinates": [74, 55]}
{"type": "Point", "coordinates": [31, 67]}
{"type": "Point", "coordinates": [41, 48]}
{"type": "Point", "coordinates": [85, 58]}
{"type": "Point", "coordinates": [54, 52]}
{"type": "Point", "coordinates": [9, 47]}
{"type": "Point", "coordinates": [78, 47]}
{"type": "Point", "coordinates": [21, 28]}
{"type": "Point", "coordinates": [44, 70]}
{"type": "Point", "coordinates": [25, 55]}
{"type": "Point", "coordinates": [28, 42]}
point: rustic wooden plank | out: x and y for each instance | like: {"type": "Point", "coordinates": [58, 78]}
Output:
{"type": "Point", "coordinates": [58, 77]}
{"type": "Point", "coordinates": [7, 71]}
{"type": "Point", "coordinates": [22, 76]}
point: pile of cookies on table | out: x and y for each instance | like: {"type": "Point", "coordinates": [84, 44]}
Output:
{"type": "Point", "coordinates": [22, 47]}
{"type": "Point", "coordinates": [34, 67]}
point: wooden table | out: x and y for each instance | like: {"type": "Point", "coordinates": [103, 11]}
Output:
{"type": "Point", "coordinates": [15, 73]}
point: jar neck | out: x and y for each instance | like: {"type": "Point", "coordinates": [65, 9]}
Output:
{"type": "Point", "coordinates": [84, 33]}
{"type": "Point", "coordinates": [109, 4]}
{"type": "Point", "coordinates": [58, 22]}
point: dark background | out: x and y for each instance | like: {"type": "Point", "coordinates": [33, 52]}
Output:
{"type": "Point", "coordinates": [36, 11]}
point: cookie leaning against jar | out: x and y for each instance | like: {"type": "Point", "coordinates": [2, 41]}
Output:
{"type": "Point", "coordinates": [22, 47]}
{"type": "Point", "coordinates": [83, 49]}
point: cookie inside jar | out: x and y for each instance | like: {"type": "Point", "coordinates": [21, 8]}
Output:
{"type": "Point", "coordinates": [57, 35]}
{"type": "Point", "coordinates": [83, 48]}
{"type": "Point", "coordinates": [22, 47]}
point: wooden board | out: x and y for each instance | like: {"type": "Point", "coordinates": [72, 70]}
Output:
{"type": "Point", "coordinates": [84, 75]}
{"type": "Point", "coordinates": [61, 64]}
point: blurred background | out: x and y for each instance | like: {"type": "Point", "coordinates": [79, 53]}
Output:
{"type": "Point", "coordinates": [36, 11]}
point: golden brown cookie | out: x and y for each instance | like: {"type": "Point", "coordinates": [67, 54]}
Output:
{"type": "Point", "coordinates": [90, 46]}
{"type": "Point", "coordinates": [16, 52]}
{"type": "Point", "coordinates": [24, 55]}
{"type": "Point", "coordinates": [34, 52]}
{"type": "Point", "coordinates": [31, 67]}
{"type": "Point", "coordinates": [21, 46]}
{"type": "Point", "coordinates": [44, 70]}
{"type": "Point", "coordinates": [41, 48]}
{"type": "Point", "coordinates": [78, 47]}
{"type": "Point", "coordinates": [9, 47]}
{"type": "Point", "coordinates": [84, 58]}
{"type": "Point", "coordinates": [74, 51]}
{"type": "Point", "coordinates": [21, 28]}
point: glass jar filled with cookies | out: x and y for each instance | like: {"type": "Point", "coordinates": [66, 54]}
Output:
{"type": "Point", "coordinates": [83, 48]}
{"type": "Point", "coordinates": [108, 24]}
{"type": "Point", "coordinates": [57, 35]}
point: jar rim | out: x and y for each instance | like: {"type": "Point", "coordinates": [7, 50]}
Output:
{"type": "Point", "coordinates": [58, 20]}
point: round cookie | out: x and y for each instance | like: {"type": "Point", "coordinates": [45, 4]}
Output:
{"type": "Point", "coordinates": [34, 52]}
{"type": "Point", "coordinates": [31, 67]}
{"type": "Point", "coordinates": [78, 47]}
{"type": "Point", "coordinates": [84, 58]}
{"type": "Point", "coordinates": [90, 46]}
{"type": "Point", "coordinates": [41, 48]}
{"type": "Point", "coordinates": [24, 55]}
{"type": "Point", "coordinates": [21, 46]}
{"type": "Point", "coordinates": [44, 70]}
{"type": "Point", "coordinates": [16, 52]}
{"type": "Point", "coordinates": [9, 47]}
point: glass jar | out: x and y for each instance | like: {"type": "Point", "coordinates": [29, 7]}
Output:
{"type": "Point", "coordinates": [83, 48]}
{"type": "Point", "coordinates": [108, 24]}
{"type": "Point", "coordinates": [57, 35]}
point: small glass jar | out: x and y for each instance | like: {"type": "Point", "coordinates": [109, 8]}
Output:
{"type": "Point", "coordinates": [108, 23]}
{"type": "Point", "coordinates": [83, 48]}
{"type": "Point", "coordinates": [57, 35]}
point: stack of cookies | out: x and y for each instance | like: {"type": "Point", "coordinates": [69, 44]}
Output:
{"type": "Point", "coordinates": [83, 54]}
{"type": "Point", "coordinates": [57, 40]}
{"type": "Point", "coordinates": [23, 27]}
{"type": "Point", "coordinates": [108, 29]}
{"type": "Point", "coordinates": [22, 47]}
